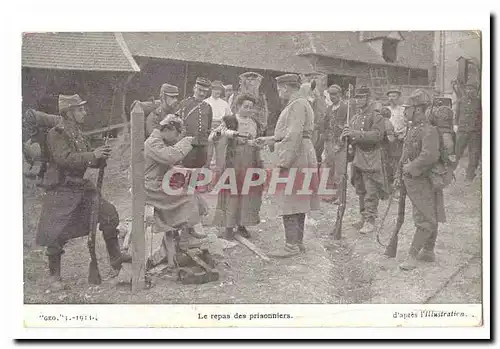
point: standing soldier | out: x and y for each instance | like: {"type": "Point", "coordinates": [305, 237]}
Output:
{"type": "Point", "coordinates": [295, 151]}
{"type": "Point", "coordinates": [366, 132]}
{"type": "Point", "coordinates": [197, 117]}
{"type": "Point", "coordinates": [420, 154]}
{"type": "Point", "coordinates": [333, 124]}
{"type": "Point", "coordinates": [68, 201]}
{"type": "Point", "coordinates": [468, 119]}
{"type": "Point", "coordinates": [168, 105]}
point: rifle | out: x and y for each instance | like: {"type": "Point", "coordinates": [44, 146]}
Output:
{"type": "Point", "coordinates": [394, 238]}
{"type": "Point", "coordinates": [94, 275]}
{"type": "Point", "coordinates": [337, 230]}
{"type": "Point", "coordinates": [392, 247]}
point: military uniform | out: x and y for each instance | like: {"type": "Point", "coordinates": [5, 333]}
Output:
{"type": "Point", "coordinates": [294, 150]}
{"type": "Point", "coordinates": [468, 120]}
{"type": "Point", "coordinates": [333, 156]}
{"type": "Point", "coordinates": [68, 202]}
{"type": "Point", "coordinates": [420, 154]}
{"type": "Point", "coordinates": [157, 115]}
{"type": "Point", "coordinates": [197, 117]}
{"type": "Point", "coordinates": [368, 170]}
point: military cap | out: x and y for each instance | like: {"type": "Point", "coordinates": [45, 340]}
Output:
{"type": "Point", "coordinates": [363, 91]}
{"type": "Point", "coordinates": [66, 102]}
{"type": "Point", "coordinates": [418, 97]}
{"type": "Point", "coordinates": [288, 79]}
{"type": "Point", "coordinates": [217, 84]}
{"type": "Point", "coordinates": [228, 87]}
{"type": "Point", "coordinates": [334, 89]}
{"type": "Point", "coordinates": [203, 83]}
{"type": "Point", "coordinates": [251, 75]}
{"type": "Point", "coordinates": [169, 90]}
{"type": "Point", "coordinates": [393, 91]}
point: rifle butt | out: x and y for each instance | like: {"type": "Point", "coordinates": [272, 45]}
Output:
{"type": "Point", "coordinates": [94, 275]}
{"type": "Point", "coordinates": [392, 249]}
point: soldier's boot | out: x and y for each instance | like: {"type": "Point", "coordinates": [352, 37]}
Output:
{"type": "Point", "coordinates": [229, 234]}
{"type": "Point", "coordinates": [360, 224]}
{"type": "Point", "coordinates": [55, 273]}
{"type": "Point", "coordinates": [367, 228]}
{"type": "Point", "coordinates": [300, 240]}
{"type": "Point", "coordinates": [418, 242]}
{"type": "Point", "coordinates": [427, 253]}
{"type": "Point", "coordinates": [292, 231]}
{"type": "Point", "coordinates": [116, 257]}
{"type": "Point", "coordinates": [289, 250]}
{"type": "Point", "coordinates": [244, 232]}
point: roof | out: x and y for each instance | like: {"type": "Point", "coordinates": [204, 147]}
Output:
{"type": "Point", "coordinates": [254, 50]}
{"type": "Point", "coordinates": [77, 51]}
{"type": "Point", "coordinates": [372, 35]}
{"type": "Point", "coordinates": [414, 51]}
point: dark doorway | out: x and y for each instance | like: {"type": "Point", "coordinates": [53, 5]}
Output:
{"type": "Point", "coordinates": [342, 80]}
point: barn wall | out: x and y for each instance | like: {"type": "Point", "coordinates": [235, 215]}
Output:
{"type": "Point", "coordinates": [41, 89]}
{"type": "Point", "coordinates": [156, 72]}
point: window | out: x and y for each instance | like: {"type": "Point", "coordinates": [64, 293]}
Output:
{"type": "Point", "coordinates": [390, 50]}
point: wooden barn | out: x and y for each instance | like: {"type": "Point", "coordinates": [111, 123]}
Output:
{"type": "Point", "coordinates": [111, 70]}
{"type": "Point", "coordinates": [97, 66]}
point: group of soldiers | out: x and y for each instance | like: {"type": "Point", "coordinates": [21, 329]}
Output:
{"type": "Point", "coordinates": [390, 146]}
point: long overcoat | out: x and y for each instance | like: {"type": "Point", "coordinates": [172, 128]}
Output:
{"type": "Point", "coordinates": [294, 150]}
{"type": "Point", "coordinates": [421, 153]}
{"type": "Point", "coordinates": [171, 211]}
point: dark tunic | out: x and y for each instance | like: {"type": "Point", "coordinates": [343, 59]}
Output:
{"type": "Point", "coordinates": [68, 202]}
{"type": "Point", "coordinates": [368, 154]}
{"type": "Point", "coordinates": [468, 114]}
{"type": "Point", "coordinates": [197, 116]}
{"type": "Point", "coordinates": [421, 152]}
{"type": "Point", "coordinates": [157, 115]}
{"type": "Point", "coordinates": [333, 154]}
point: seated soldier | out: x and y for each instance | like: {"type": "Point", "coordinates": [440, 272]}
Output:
{"type": "Point", "coordinates": [165, 148]}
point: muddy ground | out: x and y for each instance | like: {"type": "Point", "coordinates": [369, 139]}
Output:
{"type": "Point", "coordinates": [352, 270]}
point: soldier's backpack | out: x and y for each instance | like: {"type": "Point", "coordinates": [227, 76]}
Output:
{"type": "Point", "coordinates": [35, 126]}
{"type": "Point", "coordinates": [442, 173]}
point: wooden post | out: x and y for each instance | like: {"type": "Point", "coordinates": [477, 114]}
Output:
{"type": "Point", "coordinates": [138, 199]}
{"type": "Point", "coordinates": [123, 102]}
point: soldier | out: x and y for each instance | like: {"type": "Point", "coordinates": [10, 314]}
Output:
{"type": "Point", "coordinates": [197, 117]}
{"type": "Point", "coordinates": [468, 119]}
{"type": "Point", "coordinates": [67, 203]}
{"type": "Point", "coordinates": [169, 104]}
{"type": "Point", "coordinates": [366, 132]}
{"type": "Point", "coordinates": [311, 93]}
{"type": "Point", "coordinates": [294, 150]}
{"type": "Point", "coordinates": [333, 124]}
{"type": "Point", "coordinates": [420, 154]}
{"type": "Point", "coordinates": [162, 150]}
